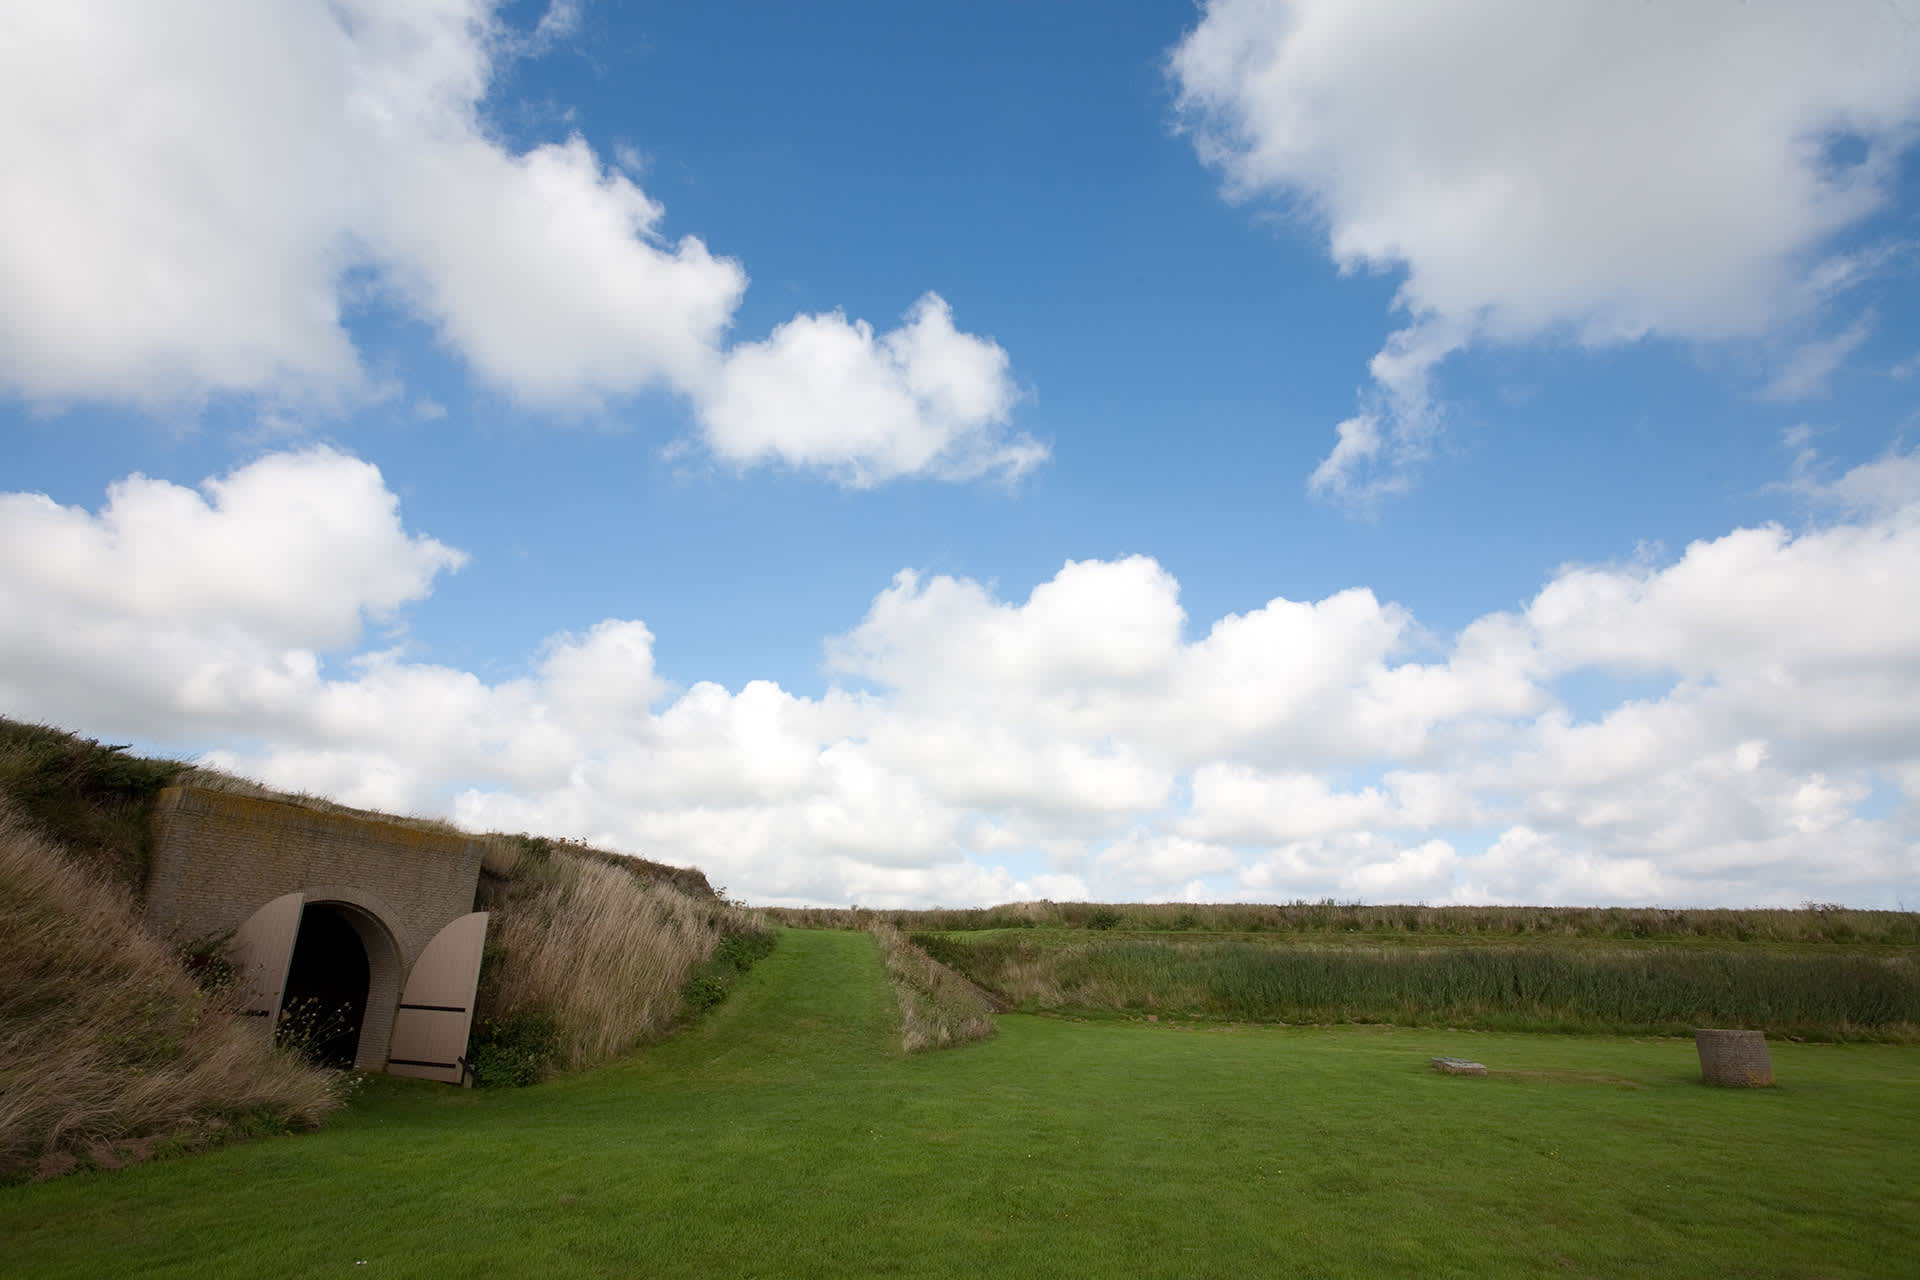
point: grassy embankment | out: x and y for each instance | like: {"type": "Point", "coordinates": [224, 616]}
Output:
{"type": "Point", "coordinates": [1822, 973]}
{"type": "Point", "coordinates": [589, 954]}
{"type": "Point", "coordinates": [938, 1008]}
{"type": "Point", "coordinates": [787, 1135]}
{"type": "Point", "coordinates": [109, 1050]}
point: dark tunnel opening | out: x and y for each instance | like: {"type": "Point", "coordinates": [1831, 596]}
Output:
{"type": "Point", "coordinates": [327, 983]}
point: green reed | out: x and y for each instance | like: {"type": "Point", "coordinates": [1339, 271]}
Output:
{"type": "Point", "coordinates": [1814, 995]}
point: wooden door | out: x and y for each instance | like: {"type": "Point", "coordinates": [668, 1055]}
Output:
{"type": "Point", "coordinates": [436, 1010]}
{"type": "Point", "coordinates": [262, 950]}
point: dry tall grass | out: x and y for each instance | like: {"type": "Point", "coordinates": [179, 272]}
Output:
{"type": "Point", "coordinates": [938, 1007]}
{"type": "Point", "coordinates": [606, 951]}
{"type": "Point", "coordinates": [513, 857]}
{"type": "Point", "coordinates": [107, 1049]}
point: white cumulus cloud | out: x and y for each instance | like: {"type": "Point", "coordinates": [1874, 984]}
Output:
{"type": "Point", "coordinates": [1593, 171]}
{"type": "Point", "coordinates": [205, 601]}
{"type": "Point", "coordinates": [828, 393]}
{"type": "Point", "coordinates": [200, 198]}
{"type": "Point", "coordinates": [1077, 741]}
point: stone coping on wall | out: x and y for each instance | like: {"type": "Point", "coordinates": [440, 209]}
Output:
{"type": "Point", "coordinates": [219, 855]}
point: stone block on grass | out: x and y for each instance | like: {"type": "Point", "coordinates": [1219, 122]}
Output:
{"type": "Point", "coordinates": [1735, 1058]}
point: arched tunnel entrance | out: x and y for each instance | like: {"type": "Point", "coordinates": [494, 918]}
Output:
{"type": "Point", "coordinates": [328, 979]}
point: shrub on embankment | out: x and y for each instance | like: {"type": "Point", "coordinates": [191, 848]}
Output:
{"type": "Point", "coordinates": [107, 1049]}
{"type": "Point", "coordinates": [938, 1007]}
{"type": "Point", "coordinates": [89, 799]}
{"type": "Point", "coordinates": [1589, 987]}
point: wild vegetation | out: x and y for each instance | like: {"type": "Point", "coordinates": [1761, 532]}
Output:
{"type": "Point", "coordinates": [510, 857]}
{"type": "Point", "coordinates": [588, 956]}
{"type": "Point", "coordinates": [108, 1050]}
{"type": "Point", "coordinates": [91, 800]}
{"type": "Point", "coordinates": [938, 1007]}
{"type": "Point", "coordinates": [786, 1135]}
{"type": "Point", "coordinates": [1810, 993]}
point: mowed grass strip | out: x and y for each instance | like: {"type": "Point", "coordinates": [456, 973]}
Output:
{"type": "Point", "coordinates": [1828, 993]}
{"type": "Point", "coordinates": [786, 1135]}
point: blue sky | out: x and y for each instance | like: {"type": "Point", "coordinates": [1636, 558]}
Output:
{"type": "Point", "coordinates": [942, 456]}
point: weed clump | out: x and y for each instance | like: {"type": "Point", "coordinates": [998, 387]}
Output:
{"type": "Point", "coordinates": [737, 953]}
{"type": "Point", "coordinates": [515, 1049]}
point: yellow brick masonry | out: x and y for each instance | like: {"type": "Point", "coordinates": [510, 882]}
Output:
{"type": "Point", "coordinates": [218, 857]}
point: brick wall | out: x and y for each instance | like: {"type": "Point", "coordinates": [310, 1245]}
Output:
{"type": "Point", "coordinates": [218, 857]}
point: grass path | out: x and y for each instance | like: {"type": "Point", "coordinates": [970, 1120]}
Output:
{"type": "Point", "coordinates": [785, 1137]}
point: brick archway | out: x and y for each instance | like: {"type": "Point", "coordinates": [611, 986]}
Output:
{"type": "Point", "coordinates": [251, 869]}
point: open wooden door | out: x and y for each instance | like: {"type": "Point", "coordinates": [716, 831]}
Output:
{"type": "Point", "coordinates": [436, 1009]}
{"type": "Point", "coordinates": [262, 950]}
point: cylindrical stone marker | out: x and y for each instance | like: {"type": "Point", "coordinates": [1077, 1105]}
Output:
{"type": "Point", "coordinates": [1737, 1058]}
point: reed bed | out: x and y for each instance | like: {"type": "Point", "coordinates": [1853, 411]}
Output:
{"type": "Point", "coordinates": [938, 1007]}
{"type": "Point", "coordinates": [603, 950]}
{"type": "Point", "coordinates": [108, 1051]}
{"type": "Point", "coordinates": [1659, 990]}
{"type": "Point", "coordinates": [1814, 922]}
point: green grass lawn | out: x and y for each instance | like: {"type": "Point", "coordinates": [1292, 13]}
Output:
{"type": "Point", "coordinates": [785, 1136]}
